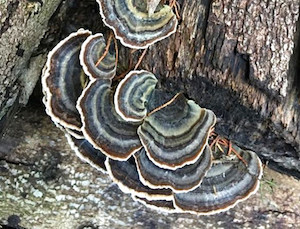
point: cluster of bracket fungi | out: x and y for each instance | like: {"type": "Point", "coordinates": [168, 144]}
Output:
{"type": "Point", "coordinates": [157, 146]}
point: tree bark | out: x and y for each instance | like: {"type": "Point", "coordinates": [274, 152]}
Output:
{"type": "Point", "coordinates": [23, 24]}
{"type": "Point", "coordinates": [43, 184]}
{"type": "Point", "coordinates": [238, 58]}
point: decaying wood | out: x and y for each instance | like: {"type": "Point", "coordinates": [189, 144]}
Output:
{"type": "Point", "coordinates": [45, 185]}
{"type": "Point", "coordinates": [238, 58]}
{"type": "Point", "coordinates": [235, 57]}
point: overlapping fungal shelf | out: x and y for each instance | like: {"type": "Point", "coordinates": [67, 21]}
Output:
{"type": "Point", "coordinates": [132, 23]}
{"type": "Point", "coordinates": [155, 145]}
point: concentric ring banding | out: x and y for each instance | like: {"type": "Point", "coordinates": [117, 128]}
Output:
{"type": "Point", "coordinates": [176, 134]}
{"type": "Point", "coordinates": [61, 80]}
{"type": "Point", "coordinates": [133, 26]}
{"type": "Point", "coordinates": [183, 179]}
{"type": "Point", "coordinates": [133, 93]}
{"type": "Point", "coordinates": [91, 50]}
{"type": "Point", "coordinates": [226, 184]}
{"type": "Point", "coordinates": [125, 174]}
{"type": "Point", "coordinates": [102, 126]}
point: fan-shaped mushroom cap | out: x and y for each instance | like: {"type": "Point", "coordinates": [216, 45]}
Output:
{"type": "Point", "coordinates": [125, 174]}
{"type": "Point", "coordinates": [158, 205]}
{"type": "Point", "coordinates": [91, 50]}
{"type": "Point", "coordinates": [131, 23]}
{"type": "Point", "coordinates": [228, 182]}
{"type": "Point", "coordinates": [75, 133]}
{"type": "Point", "coordinates": [183, 179]}
{"type": "Point", "coordinates": [102, 126]}
{"type": "Point", "coordinates": [133, 93]}
{"type": "Point", "coordinates": [61, 80]}
{"type": "Point", "coordinates": [175, 134]}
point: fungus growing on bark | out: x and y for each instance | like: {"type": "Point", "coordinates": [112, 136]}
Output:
{"type": "Point", "coordinates": [183, 179]}
{"type": "Point", "coordinates": [176, 133]}
{"type": "Point", "coordinates": [86, 152]}
{"type": "Point", "coordinates": [133, 94]}
{"type": "Point", "coordinates": [102, 126]}
{"type": "Point", "coordinates": [61, 80]}
{"type": "Point", "coordinates": [154, 145]}
{"type": "Point", "coordinates": [92, 49]}
{"type": "Point", "coordinates": [228, 182]}
{"type": "Point", "coordinates": [133, 26]}
{"type": "Point", "coordinates": [125, 174]}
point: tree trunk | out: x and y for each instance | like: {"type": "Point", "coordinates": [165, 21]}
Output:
{"type": "Point", "coordinates": [23, 25]}
{"type": "Point", "coordinates": [239, 58]}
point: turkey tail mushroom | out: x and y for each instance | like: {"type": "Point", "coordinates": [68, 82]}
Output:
{"type": "Point", "coordinates": [183, 179]}
{"type": "Point", "coordinates": [176, 133]}
{"type": "Point", "coordinates": [86, 152]}
{"type": "Point", "coordinates": [133, 94]}
{"type": "Point", "coordinates": [61, 80]}
{"type": "Point", "coordinates": [125, 174]}
{"type": "Point", "coordinates": [91, 50]}
{"type": "Point", "coordinates": [133, 26]}
{"type": "Point", "coordinates": [228, 182]}
{"type": "Point", "coordinates": [102, 126]}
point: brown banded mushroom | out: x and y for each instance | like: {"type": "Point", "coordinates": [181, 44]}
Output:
{"type": "Point", "coordinates": [133, 26]}
{"type": "Point", "coordinates": [125, 174]}
{"type": "Point", "coordinates": [102, 126]}
{"type": "Point", "coordinates": [183, 179]}
{"type": "Point", "coordinates": [228, 182]}
{"type": "Point", "coordinates": [176, 133]}
{"type": "Point", "coordinates": [133, 93]}
{"type": "Point", "coordinates": [86, 152]}
{"type": "Point", "coordinates": [91, 50]}
{"type": "Point", "coordinates": [61, 80]}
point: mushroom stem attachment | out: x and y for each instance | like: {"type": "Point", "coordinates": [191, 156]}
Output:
{"type": "Point", "coordinates": [106, 49]}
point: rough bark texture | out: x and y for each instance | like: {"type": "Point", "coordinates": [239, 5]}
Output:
{"type": "Point", "coordinates": [235, 57]}
{"type": "Point", "coordinates": [44, 185]}
{"type": "Point", "coordinates": [238, 58]}
{"type": "Point", "coordinates": [22, 26]}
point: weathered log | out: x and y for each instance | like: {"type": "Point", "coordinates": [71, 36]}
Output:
{"type": "Point", "coordinates": [45, 185]}
{"type": "Point", "coordinates": [235, 57]}
{"type": "Point", "coordinates": [238, 58]}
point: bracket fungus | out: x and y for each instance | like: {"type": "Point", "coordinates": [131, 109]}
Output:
{"type": "Point", "coordinates": [86, 152]}
{"type": "Point", "coordinates": [125, 174]}
{"type": "Point", "coordinates": [133, 26]}
{"type": "Point", "coordinates": [61, 80]}
{"type": "Point", "coordinates": [183, 179]}
{"type": "Point", "coordinates": [158, 205]}
{"type": "Point", "coordinates": [153, 144]}
{"type": "Point", "coordinates": [176, 133]}
{"type": "Point", "coordinates": [229, 181]}
{"type": "Point", "coordinates": [92, 49]}
{"type": "Point", "coordinates": [133, 93]}
{"type": "Point", "coordinates": [102, 126]}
